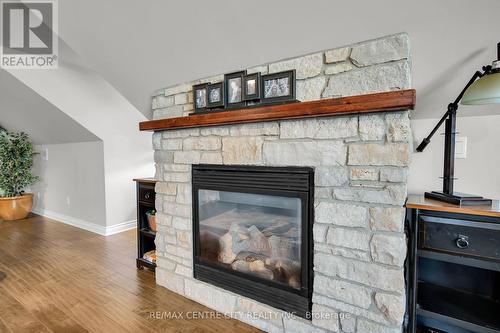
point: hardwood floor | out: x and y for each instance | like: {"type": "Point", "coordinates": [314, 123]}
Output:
{"type": "Point", "coordinates": [57, 278]}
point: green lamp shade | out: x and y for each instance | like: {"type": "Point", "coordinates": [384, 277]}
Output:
{"type": "Point", "coordinates": [486, 90]}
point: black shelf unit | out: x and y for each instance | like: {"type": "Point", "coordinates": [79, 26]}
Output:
{"type": "Point", "coordinates": [145, 236]}
{"type": "Point", "coordinates": [453, 287]}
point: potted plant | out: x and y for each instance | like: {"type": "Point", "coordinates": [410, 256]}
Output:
{"type": "Point", "coordinates": [16, 160]}
{"type": "Point", "coordinates": [151, 214]}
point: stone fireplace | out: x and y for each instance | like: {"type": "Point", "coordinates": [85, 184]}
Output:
{"type": "Point", "coordinates": [323, 230]}
{"type": "Point", "coordinates": [253, 232]}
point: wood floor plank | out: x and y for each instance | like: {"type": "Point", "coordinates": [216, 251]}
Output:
{"type": "Point", "coordinates": [57, 278]}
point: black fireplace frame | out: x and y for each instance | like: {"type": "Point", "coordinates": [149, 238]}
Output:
{"type": "Point", "coordinates": [295, 182]}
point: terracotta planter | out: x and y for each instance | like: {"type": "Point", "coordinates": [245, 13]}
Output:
{"type": "Point", "coordinates": [152, 222]}
{"type": "Point", "coordinates": [16, 208]}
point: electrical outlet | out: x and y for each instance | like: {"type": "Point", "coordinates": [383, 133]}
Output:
{"type": "Point", "coordinates": [45, 154]}
{"type": "Point", "coordinates": [68, 201]}
{"type": "Point", "coordinates": [461, 147]}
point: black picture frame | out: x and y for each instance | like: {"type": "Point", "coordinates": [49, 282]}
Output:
{"type": "Point", "coordinates": [248, 95]}
{"type": "Point", "coordinates": [212, 88]}
{"type": "Point", "coordinates": [228, 80]}
{"type": "Point", "coordinates": [279, 98]}
{"type": "Point", "coordinates": [197, 106]}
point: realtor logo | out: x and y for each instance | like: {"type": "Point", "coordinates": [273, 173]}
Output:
{"type": "Point", "coordinates": [29, 35]}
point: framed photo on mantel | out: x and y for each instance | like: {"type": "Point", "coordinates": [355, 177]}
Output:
{"type": "Point", "coordinates": [251, 87]}
{"type": "Point", "coordinates": [200, 97]}
{"type": "Point", "coordinates": [216, 95]}
{"type": "Point", "coordinates": [234, 89]}
{"type": "Point", "coordinates": [278, 87]}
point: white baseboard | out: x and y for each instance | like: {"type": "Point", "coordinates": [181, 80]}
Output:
{"type": "Point", "coordinates": [89, 226]}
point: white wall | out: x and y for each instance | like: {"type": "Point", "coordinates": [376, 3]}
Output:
{"type": "Point", "coordinates": [71, 182]}
{"type": "Point", "coordinates": [478, 174]}
{"type": "Point", "coordinates": [85, 96]}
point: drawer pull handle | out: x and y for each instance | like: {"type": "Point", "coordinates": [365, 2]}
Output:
{"type": "Point", "coordinates": [462, 242]}
{"type": "Point", "coordinates": [147, 196]}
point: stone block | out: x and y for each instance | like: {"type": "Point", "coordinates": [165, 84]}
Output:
{"type": "Point", "coordinates": [202, 143]}
{"type": "Point", "coordinates": [341, 214]}
{"type": "Point", "coordinates": [387, 218]}
{"type": "Point", "coordinates": [369, 274]}
{"type": "Point", "coordinates": [325, 317]}
{"type": "Point", "coordinates": [181, 99]}
{"type": "Point", "coordinates": [319, 232]}
{"type": "Point", "coordinates": [166, 188]}
{"type": "Point", "coordinates": [310, 89]}
{"type": "Point", "coordinates": [398, 127]}
{"type": "Point", "coordinates": [176, 209]}
{"type": "Point", "coordinates": [184, 238]}
{"type": "Point", "coordinates": [322, 193]}
{"type": "Point", "coordinates": [168, 112]}
{"type": "Point", "coordinates": [161, 156]}
{"type": "Point", "coordinates": [305, 66]}
{"type": "Point", "coordinates": [382, 50]}
{"type": "Point", "coordinates": [171, 144]}
{"type": "Point", "coordinates": [343, 291]}
{"type": "Point", "coordinates": [210, 296]}
{"type": "Point", "coordinates": [320, 128]}
{"type": "Point", "coordinates": [394, 154]}
{"type": "Point", "coordinates": [179, 88]}
{"type": "Point", "coordinates": [184, 194]}
{"type": "Point", "coordinates": [217, 131]}
{"type": "Point", "coordinates": [242, 150]}
{"type": "Point", "coordinates": [390, 195]}
{"type": "Point", "coordinates": [365, 326]}
{"type": "Point", "coordinates": [262, 69]}
{"type": "Point", "coordinates": [180, 177]}
{"type": "Point", "coordinates": [179, 252]}
{"type": "Point", "coordinates": [166, 263]}
{"type": "Point", "coordinates": [392, 306]}
{"type": "Point", "coordinates": [372, 127]}
{"type": "Point", "coordinates": [345, 308]}
{"type": "Point", "coordinates": [247, 307]}
{"type": "Point", "coordinates": [328, 153]}
{"type": "Point", "coordinates": [182, 133]}
{"type": "Point", "coordinates": [293, 324]}
{"type": "Point", "coordinates": [337, 55]}
{"type": "Point", "coordinates": [170, 280]}
{"type": "Point", "coordinates": [350, 238]}
{"type": "Point", "coordinates": [187, 157]}
{"type": "Point", "coordinates": [184, 271]}
{"type": "Point", "coordinates": [339, 68]}
{"type": "Point", "coordinates": [379, 78]}
{"type": "Point", "coordinates": [177, 167]}
{"type": "Point", "coordinates": [348, 323]}
{"type": "Point", "coordinates": [388, 249]}
{"type": "Point", "coordinates": [330, 176]}
{"type": "Point", "coordinates": [255, 129]}
{"type": "Point", "coordinates": [211, 158]}
{"type": "Point", "coordinates": [364, 174]}
{"type": "Point", "coordinates": [181, 223]}
{"type": "Point", "coordinates": [393, 175]}
{"type": "Point", "coordinates": [163, 219]}
{"type": "Point", "coordinates": [350, 253]}
{"type": "Point", "coordinates": [160, 102]}
{"type": "Point", "coordinates": [156, 140]}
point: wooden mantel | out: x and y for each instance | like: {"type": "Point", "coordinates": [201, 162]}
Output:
{"type": "Point", "coordinates": [379, 102]}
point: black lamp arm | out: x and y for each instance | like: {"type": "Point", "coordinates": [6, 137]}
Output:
{"type": "Point", "coordinates": [452, 107]}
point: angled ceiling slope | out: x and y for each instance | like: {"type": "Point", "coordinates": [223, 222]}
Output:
{"type": "Point", "coordinates": [22, 109]}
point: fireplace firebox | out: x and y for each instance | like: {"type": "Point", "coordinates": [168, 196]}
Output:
{"type": "Point", "coordinates": [252, 232]}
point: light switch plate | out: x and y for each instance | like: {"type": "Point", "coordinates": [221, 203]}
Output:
{"type": "Point", "coordinates": [461, 147]}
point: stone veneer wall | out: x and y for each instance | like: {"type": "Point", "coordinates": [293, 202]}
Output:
{"type": "Point", "coordinates": [360, 177]}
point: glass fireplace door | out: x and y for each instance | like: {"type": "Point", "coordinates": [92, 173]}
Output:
{"type": "Point", "coordinates": [255, 234]}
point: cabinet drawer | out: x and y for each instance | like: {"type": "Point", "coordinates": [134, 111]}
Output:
{"type": "Point", "coordinates": [147, 193]}
{"type": "Point", "coordinates": [462, 237]}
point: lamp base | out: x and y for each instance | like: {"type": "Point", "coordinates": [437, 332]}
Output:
{"type": "Point", "coordinates": [457, 198]}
